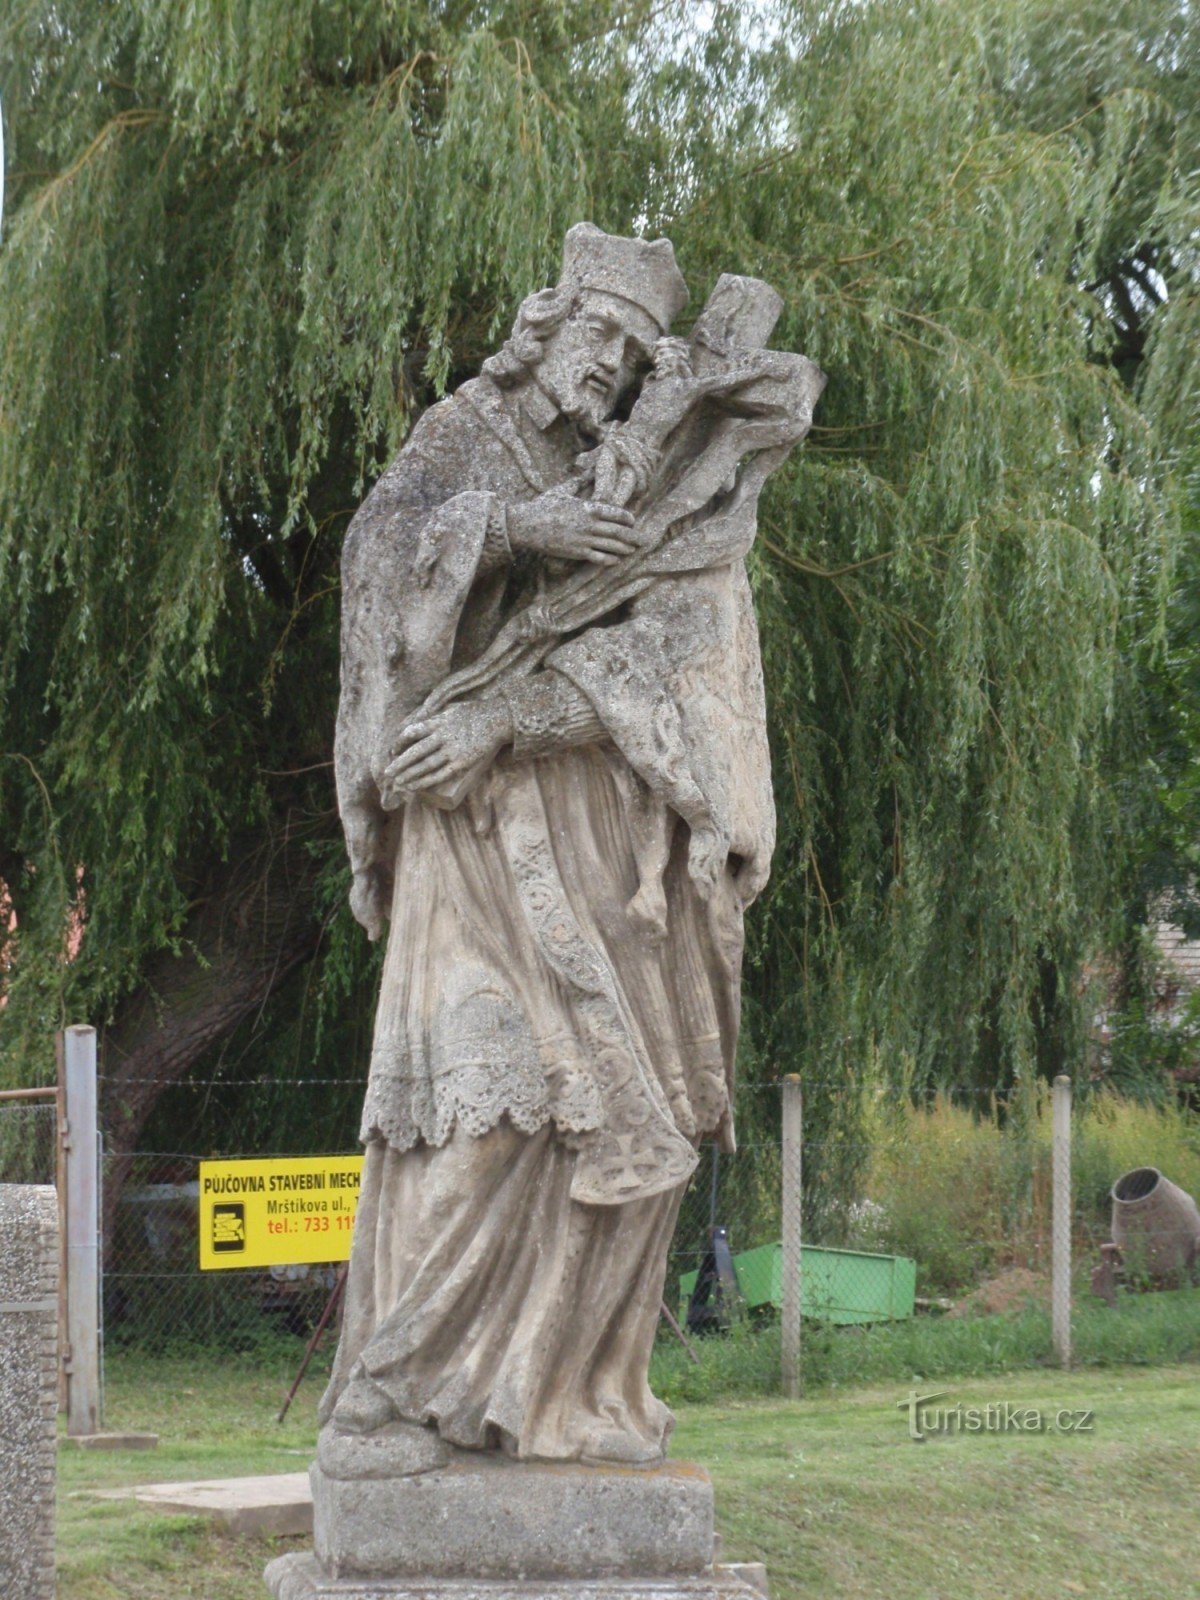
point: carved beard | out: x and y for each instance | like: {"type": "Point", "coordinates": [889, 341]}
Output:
{"type": "Point", "coordinates": [589, 397]}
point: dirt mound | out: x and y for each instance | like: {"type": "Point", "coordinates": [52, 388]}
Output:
{"type": "Point", "coordinates": [1011, 1290]}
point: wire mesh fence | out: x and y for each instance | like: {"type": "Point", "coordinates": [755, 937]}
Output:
{"type": "Point", "coordinates": [914, 1204]}
{"type": "Point", "coordinates": [28, 1140]}
{"type": "Point", "coordinates": [155, 1295]}
{"type": "Point", "coordinates": [846, 1221]}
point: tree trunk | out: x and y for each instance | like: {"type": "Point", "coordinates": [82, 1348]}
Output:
{"type": "Point", "coordinates": [254, 924]}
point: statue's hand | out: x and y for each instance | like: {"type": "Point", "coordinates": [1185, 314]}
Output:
{"type": "Point", "coordinates": [432, 755]}
{"type": "Point", "coordinates": [577, 530]}
{"type": "Point", "coordinates": [370, 899]}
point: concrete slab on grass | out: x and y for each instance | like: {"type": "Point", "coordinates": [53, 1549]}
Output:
{"type": "Point", "coordinates": [114, 1441]}
{"type": "Point", "coordinates": [278, 1504]}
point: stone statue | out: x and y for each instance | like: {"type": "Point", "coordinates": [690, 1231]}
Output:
{"type": "Point", "coordinates": [554, 779]}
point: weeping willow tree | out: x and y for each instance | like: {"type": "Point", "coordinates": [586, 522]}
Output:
{"type": "Point", "coordinates": [247, 242]}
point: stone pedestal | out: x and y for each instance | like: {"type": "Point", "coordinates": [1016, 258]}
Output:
{"type": "Point", "coordinates": [496, 1519]}
{"type": "Point", "coordinates": [407, 1517]}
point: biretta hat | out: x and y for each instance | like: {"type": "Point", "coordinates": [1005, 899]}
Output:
{"type": "Point", "coordinates": [633, 269]}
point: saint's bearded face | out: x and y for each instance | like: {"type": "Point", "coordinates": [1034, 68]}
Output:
{"type": "Point", "coordinates": [592, 359]}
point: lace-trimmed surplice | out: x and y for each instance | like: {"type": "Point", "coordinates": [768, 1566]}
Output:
{"type": "Point", "coordinates": [478, 1019]}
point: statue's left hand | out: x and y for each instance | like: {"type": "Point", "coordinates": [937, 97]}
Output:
{"type": "Point", "coordinates": [434, 754]}
{"type": "Point", "coordinates": [371, 899]}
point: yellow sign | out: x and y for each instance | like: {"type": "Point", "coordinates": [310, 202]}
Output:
{"type": "Point", "coordinates": [277, 1212]}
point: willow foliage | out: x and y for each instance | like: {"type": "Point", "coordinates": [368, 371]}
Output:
{"type": "Point", "coordinates": [248, 241]}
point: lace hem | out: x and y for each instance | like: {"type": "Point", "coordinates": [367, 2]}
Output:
{"type": "Point", "coordinates": [407, 1107]}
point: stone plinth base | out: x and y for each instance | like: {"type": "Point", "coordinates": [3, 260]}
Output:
{"type": "Point", "coordinates": [298, 1577]}
{"type": "Point", "coordinates": [484, 1517]}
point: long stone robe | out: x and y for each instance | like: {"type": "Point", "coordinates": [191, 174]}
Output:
{"type": "Point", "coordinates": [559, 1005]}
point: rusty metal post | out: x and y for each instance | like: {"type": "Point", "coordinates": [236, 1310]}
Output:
{"type": "Point", "coordinates": [81, 1154]}
{"type": "Point", "coordinates": [793, 1127]}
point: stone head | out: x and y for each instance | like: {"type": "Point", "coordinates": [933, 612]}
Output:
{"type": "Point", "coordinates": [591, 359]}
{"type": "Point", "coordinates": [589, 337]}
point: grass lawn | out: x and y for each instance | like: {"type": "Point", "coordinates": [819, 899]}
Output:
{"type": "Point", "coordinates": [830, 1491]}
{"type": "Point", "coordinates": [1142, 1330]}
{"type": "Point", "coordinates": [838, 1501]}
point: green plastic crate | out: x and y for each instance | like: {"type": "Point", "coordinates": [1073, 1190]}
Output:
{"type": "Point", "coordinates": [841, 1286]}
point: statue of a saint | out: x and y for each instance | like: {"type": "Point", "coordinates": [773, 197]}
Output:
{"type": "Point", "coordinates": [554, 779]}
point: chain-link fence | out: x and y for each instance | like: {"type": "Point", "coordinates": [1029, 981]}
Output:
{"type": "Point", "coordinates": [157, 1298]}
{"type": "Point", "coordinates": [898, 1206]}
{"type": "Point", "coordinates": [890, 1210]}
{"type": "Point", "coordinates": [843, 1211]}
{"type": "Point", "coordinates": [28, 1138]}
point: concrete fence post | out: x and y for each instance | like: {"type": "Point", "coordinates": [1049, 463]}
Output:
{"type": "Point", "coordinates": [28, 1385]}
{"type": "Point", "coordinates": [793, 1129]}
{"type": "Point", "coordinates": [81, 1358]}
{"type": "Point", "coordinates": [61, 1141]}
{"type": "Point", "coordinates": [1060, 1259]}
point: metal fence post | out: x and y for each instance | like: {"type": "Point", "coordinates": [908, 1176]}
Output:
{"type": "Point", "coordinates": [1060, 1273]}
{"type": "Point", "coordinates": [793, 1124]}
{"type": "Point", "coordinates": [81, 1359]}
